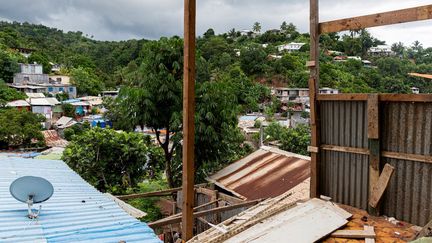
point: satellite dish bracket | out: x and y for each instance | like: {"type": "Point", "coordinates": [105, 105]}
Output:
{"type": "Point", "coordinates": [32, 215]}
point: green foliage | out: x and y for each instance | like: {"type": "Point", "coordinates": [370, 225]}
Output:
{"type": "Point", "coordinates": [68, 110]}
{"type": "Point", "coordinates": [20, 129]}
{"type": "Point", "coordinates": [41, 58]}
{"type": "Point", "coordinates": [295, 140]}
{"type": "Point", "coordinates": [8, 65]}
{"type": "Point", "coordinates": [112, 161]}
{"type": "Point", "coordinates": [148, 204]}
{"type": "Point", "coordinates": [62, 96]}
{"type": "Point", "coordinates": [86, 81]}
{"type": "Point", "coordinates": [76, 130]}
{"type": "Point", "coordinates": [253, 59]}
{"type": "Point", "coordinates": [9, 94]}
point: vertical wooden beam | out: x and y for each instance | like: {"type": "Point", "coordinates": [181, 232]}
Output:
{"type": "Point", "coordinates": [313, 92]}
{"type": "Point", "coordinates": [374, 145]}
{"type": "Point", "coordinates": [188, 119]}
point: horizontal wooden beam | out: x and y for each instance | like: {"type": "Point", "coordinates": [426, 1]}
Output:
{"type": "Point", "coordinates": [161, 193]}
{"type": "Point", "coordinates": [381, 97]}
{"type": "Point", "coordinates": [385, 154]}
{"type": "Point", "coordinates": [404, 156]}
{"type": "Point", "coordinates": [178, 219]}
{"type": "Point", "coordinates": [379, 19]}
{"type": "Point", "coordinates": [406, 97]}
{"type": "Point", "coordinates": [342, 97]}
{"type": "Point", "coordinates": [351, 150]}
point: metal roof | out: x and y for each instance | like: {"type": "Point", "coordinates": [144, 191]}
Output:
{"type": "Point", "coordinates": [17, 103]}
{"type": "Point", "coordinates": [267, 172]}
{"type": "Point", "coordinates": [76, 212]}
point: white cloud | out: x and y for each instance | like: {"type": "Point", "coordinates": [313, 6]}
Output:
{"type": "Point", "coordinates": [125, 19]}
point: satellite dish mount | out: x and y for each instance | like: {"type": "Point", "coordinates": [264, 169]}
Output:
{"type": "Point", "coordinates": [32, 215]}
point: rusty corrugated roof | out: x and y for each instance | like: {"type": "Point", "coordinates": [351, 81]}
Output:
{"type": "Point", "coordinates": [267, 172]}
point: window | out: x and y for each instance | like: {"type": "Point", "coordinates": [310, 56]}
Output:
{"type": "Point", "coordinates": [50, 89]}
{"type": "Point", "coordinates": [71, 89]}
{"type": "Point", "coordinates": [58, 79]}
{"type": "Point", "coordinates": [61, 89]}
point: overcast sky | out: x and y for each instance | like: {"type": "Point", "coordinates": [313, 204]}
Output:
{"type": "Point", "coordinates": [126, 19]}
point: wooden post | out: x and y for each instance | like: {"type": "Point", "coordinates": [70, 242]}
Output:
{"type": "Point", "coordinates": [188, 119]}
{"type": "Point", "coordinates": [313, 64]}
{"type": "Point", "coordinates": [374, 145]}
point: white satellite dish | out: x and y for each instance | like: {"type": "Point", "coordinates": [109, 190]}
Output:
{"type": "Point", "coordinates": [31, 189]}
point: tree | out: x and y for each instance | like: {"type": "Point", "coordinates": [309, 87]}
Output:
{"type": "Point", "coordinates": [86, 81]}
{"type": "Point", "coordinates": [8, 66]}
{"type": "Point", "coordinates": [398, 48]}
{"type": "Point", "coordinates": [9, 94]}
{"type": "Point", "coordinates": [209, 33]}
{"type": "Point", "coordinates": [256, 27]}
{"type": "Point", "coordinates": [112, 161]}
{"type": "Point", "coordinates": [153, 99]}
{"type": "Point", "coordinates": [68, 110]}
{"type": "Point", "coordinates": [20, 129]}
{"type": "Point", "coordinates": [253, 59]}
{"type": "Point", "coordinates": [295, 140]}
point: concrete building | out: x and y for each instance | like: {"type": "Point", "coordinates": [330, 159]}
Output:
{"type": "Point", "coordinates": [291, 94]}
{"type": "Point", "coordinates": [31, 79]}
{"type": "Point", "coordinates": [381, 50]}
{"type": "Point", "coordinates": [328, 91]}
{"type": "Point", "coordinates": [290, 47]}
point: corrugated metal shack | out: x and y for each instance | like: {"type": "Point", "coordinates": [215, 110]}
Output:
{"type": "Point", "coordinates": [76, 212]}
{"type": "Point", "coordinates": [265, 173]}
{"type": "Point", "coordinates": [356, 136]}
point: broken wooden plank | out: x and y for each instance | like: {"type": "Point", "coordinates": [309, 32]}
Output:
{"type": "Point", "coordinates": [378, 19]}
{"type": "Point", "coordinates": [178, 219]}
{"type": "Point", "coordinates": [426, 231]}
{"type": "Point", "coordinates": [312, 149]}
{"type": "Point", "coordinates": [381, 185]}
{"type": "Point", "coordinates": [367, 232]}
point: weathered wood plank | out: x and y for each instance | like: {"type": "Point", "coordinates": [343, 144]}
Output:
{"type": "Point", "coordinates": [312, 149]}
{"type": "Point", "coordinates": [313, 92]}
{"type": "Point", "coordinates": [368, 232]}
{"type": "Point", "coordinates": [379, 19]}
{"type": "Point", "coordinates": [342, 97]}
{"type": "Point", "coordinates": [178, 219]}
{"type": "Point", "coordinates": [344, 149]}
{"type": "Point", "coordinates": [406, 97]}
{"type": "Point", "coordinates": [188, 119]}
{"type": "Point", "coordinates": [404, 156]}
{"type": "Point", "coordinates": [426, 231]}
{"type": "Point", "coordinates": [381, 185]}
{"type": "Point", "coordinates": [373, 116]}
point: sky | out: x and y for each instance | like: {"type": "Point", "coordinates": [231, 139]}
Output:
{"type": "Point", "coordinates": [152, 19]}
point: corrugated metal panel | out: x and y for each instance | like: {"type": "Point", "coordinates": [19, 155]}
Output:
{"type": "Point", "coordinates": [407, 129]}
{"type": "Point", "coordinates": [77, 212]}
{"type": "Point", "coordinates": [344, 123]}
{"type": "Point", "coordinates": [265, 173]}
{"type": "Point", "coordinates": [344, 176]}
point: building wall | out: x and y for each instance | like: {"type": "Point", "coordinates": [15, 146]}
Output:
{"type": "Point", "coordinates": [71, 90]}
{"type": "Point", "coordinates": [25, 78]}
{"type": "Point", "coordinates": [31, 68]}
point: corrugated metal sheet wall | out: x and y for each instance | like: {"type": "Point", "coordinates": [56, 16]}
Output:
{"type": "Point", "coordinates": [405, 127]}
{"type": "Point", "coordinates": [344, 176]}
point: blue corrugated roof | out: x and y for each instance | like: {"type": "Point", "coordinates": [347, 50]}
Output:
{"type": "Point", "coordinates": [76, 212]}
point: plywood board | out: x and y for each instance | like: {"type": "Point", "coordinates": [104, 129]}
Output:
{"type": "Point", "coordinates": [306, 223]}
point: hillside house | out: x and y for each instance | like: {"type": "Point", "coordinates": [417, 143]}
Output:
{"type": "Point", "coordinates": [291, 47]}
{"type": "Point", "coordinates": [328, 91]}
{"type": "Point", "coordinates": [31, 79]}
{"type": "Point", "coordinates": [291, 94]}
{"type": "Point", "coordinates": [19, 104]}
{"type": "Point", "coordinates": [381, 50]}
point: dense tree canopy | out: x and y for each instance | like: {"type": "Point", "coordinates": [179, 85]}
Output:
{"type": "Point", "coordinates": [112, 161]}
{"type": "Point", "coordinates": [20, 129]}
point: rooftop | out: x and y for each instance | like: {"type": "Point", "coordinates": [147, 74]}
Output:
{"type": "Point", "coordinates": [76, 212]}
{"type": "Point", "coordinates": [267, 172]}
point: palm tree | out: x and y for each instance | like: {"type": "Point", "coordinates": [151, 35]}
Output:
{"type": "Point", "coordinates": [256, 27]}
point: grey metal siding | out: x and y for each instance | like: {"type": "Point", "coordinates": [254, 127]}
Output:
{"type": "Point", "coordinates": [407, 129]}
{"type": "Point", "coordinates": [344, 176]}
